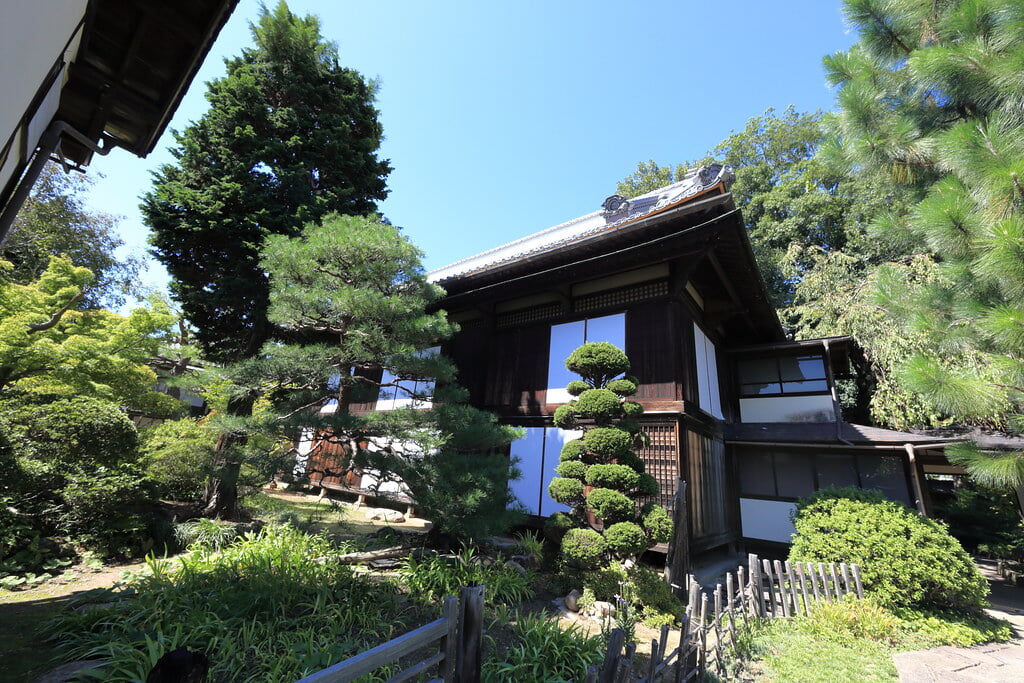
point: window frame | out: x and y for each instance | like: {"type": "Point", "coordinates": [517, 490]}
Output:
{"type": "Point", "coordinates": [740, 384]}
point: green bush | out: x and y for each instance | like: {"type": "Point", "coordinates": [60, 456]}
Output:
{"type": "Point", "coordinates": [598, 404]}
{"type": "Point", "coordinates": [597, 362]}
{"type": "Point", "coordinates": [853, 618]}
{"type": "Point", "coordinates": [656, 521]}
{"type": "Point", "coordinates": [178, 456]}
{"type": "Point", "coordinates": [109, 511]}
{"type": "Point", "coordinates": [632, 461]}
{"type": "Point", "coordinates": [622, 387]}
{"type": "Point", "coordinates": [433, 578]}
{"type": "Point", "coordinates": [76, 431]}
{"type": "Point", "coordinates": [605, 583]}
{"type": "Point", "coordinates": [904, 559]}
{"type": "Point", "coordinates": [652, 618]}
{"type": "Point", "coordinates": [609, 505]}
{"type": "Point", "coordinates": [205, 533]}
{"type": "Point", "coordinates": [632, 408]}
{"type": "Point", "coordinates": [25, 556]}
{"type": "Point", "coordinates": [935, 627]}
{"type": "Point", "coordinates": [606, 443]}
{"type": "Point", "coordinates": [556, 525]}
{"type": "Point", "coordinates": [585, 547]}
{"type": "Point", "coordinates": [647, 486]}
{"type": "Point", "coordinates": [545, 651]}
{"type": "Point", "coordinates": [564, 417]}
{"type": "Point", "coordinates": [572, 469]}
{"type": "Point", "coordinates": [566, 491]}
{"type": "Point", "coordinates": [617, 477]}
{"type": "Point", "coordinates": [573, 450]}
{"type": "Point", "coordinates": [576, 387]}
{"type": "Point", "coordinates": [650, 590]}
{"type": "Point", "coordinates": [626, 538]}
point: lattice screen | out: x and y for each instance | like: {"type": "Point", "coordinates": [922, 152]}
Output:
{"type": "Point", "coordinates": [661, 461]}
{"type": "Point", "coordinates": [621, 297]}
{"type": "Point", "coordinates": [529, 315]}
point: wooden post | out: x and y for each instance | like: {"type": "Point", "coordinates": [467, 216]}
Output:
{"type": "Point", "coordinates": [677, 562]}
{"type": "Point", "coordinates": [855, 570]}
{"type": "Point", "coordinates": [783, 593]}
{"type": "Point", "coordinates": [449, 644]}
{"type": "Point", "coordinates": [611, 658]}
{"type": "Point", "coordinates": [471, 624]}
{"type": "Point", "coordinates": [757, 591]}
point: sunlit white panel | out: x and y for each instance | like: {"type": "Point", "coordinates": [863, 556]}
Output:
{"type": "Point", "coordinates": [708, 397]}
{"type": "Point", "coordinates": [767, 520]}
{"type": "Point", "coordinates": [788, 409]}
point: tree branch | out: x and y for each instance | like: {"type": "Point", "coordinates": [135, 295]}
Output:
{"type": "Point", "coordinates": [55, 318]}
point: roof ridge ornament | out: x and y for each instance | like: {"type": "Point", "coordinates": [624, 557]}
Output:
{"type": "Point", "coordinates": [615, 205]}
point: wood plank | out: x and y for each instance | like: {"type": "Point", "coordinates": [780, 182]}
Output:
{"type": "Point", "coordinates": [450, 613]}
{"type": "Point", "coordinates": [471, 619]}
{"type": "Point", "coordinates": [855, 570]}
{"type": "Point", "coordinates": [417, 669]}
{"type": "Point", "coordinates": [783, 593]}
{"type": "Point", "coordinates": [377, 657]}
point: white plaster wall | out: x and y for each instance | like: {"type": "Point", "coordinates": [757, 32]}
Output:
{"type": "Point", "coordinates": [767, 520]}
{"type": "Point", "coordinates": [787, 409]}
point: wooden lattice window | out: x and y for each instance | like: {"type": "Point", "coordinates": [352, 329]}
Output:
{"type": "Point", "coordinates": [661, 461]}
{"type": "Point", "coordinates": [529, 315]}
{"type": "Point", "coordinates": [621, 297]}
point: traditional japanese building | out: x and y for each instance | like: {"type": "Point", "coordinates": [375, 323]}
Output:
{"type": "Point", "coordinates": [749, 420]}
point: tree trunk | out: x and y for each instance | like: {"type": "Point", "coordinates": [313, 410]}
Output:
{"type": "Point", "coordinates": [220, 499]}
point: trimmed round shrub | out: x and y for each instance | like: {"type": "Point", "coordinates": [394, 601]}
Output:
{"type": "Point", "coordinates": [576, 387]}
{"type": "Point", "coordinates": [565, 416]}
{"type": "Point", "coordinates": [622, 387]}
{"type": "Point", "coordinates": [633, 462]}
{"type": "Point", "coordinates": [609, 505]}
{"type": "Point", "coordinates": [585, 547]}
{"type": "Point", "coordinates": [905, 559]}
{"type": "Point", "coordinates": [597, 362]}
{"type": "Point", "coordinates": [556, 525]}
{"type": "Point", "coordinates": [573, 450]}
{"type": "Point", "coordinates": [626, 538]}
{"type": "Point", "coordinates": [599, 404]}
{"type": "Point", "coordinates": [566, 491]}
{"type": "Point", "coordinates": [618, 477]}
{"type": "Point", "coordinates": [632, 408]}
{"type": "Point", "coordinates": [572, 469]}
{"type": "Point", "coordinates": [608, 443]}
{"type": "Point", "coordinates": [656, 521]}
{"type": "Point", "coordinates": [77, 431]}
{"type": "Point", "coordinates": [631, 427]}
{"type": "Point", "coordinates": [647, 486]}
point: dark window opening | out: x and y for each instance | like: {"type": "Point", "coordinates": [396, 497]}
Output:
{"type": "Point", "coordinates": [783, 375]}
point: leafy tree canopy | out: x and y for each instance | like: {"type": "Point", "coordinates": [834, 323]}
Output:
{"type": "Point", "coordinates": [290, 136]}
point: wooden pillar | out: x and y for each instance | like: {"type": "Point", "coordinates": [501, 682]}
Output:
{"type": "Point", "coordinates": [471, 621]}
{"type": "Point", "coordinates": [677, 562]}
{"type": "Point", "coordinates": [917, 479]}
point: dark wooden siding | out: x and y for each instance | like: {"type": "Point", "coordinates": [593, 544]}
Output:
{"type": "Point", "coordinates": [468, 350]}
{"type": "Point", "coordinates": [517, 368]}
{"type": "Point", "coordinates": [661, 461]}
{"type": "Point", "coordinates": [327, 457]}
{"type": "Point", "coordinates": [652, 342]}
{"type": "Point", "coordinates": [708, 490]}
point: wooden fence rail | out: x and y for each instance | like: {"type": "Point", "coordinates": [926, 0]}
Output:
{"type": "Point", "coordinates": [458, 634]}
{"type": "Point", "coordinates": [711, 623]}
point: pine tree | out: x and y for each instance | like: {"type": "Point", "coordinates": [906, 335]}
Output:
{"type": "Point", "coordinates": [290, 136]}
{"type": "Point", "coordinates": [605, 520]}
{"type": "Point", "coordinates": [352, 295]}
{"type": "Point", "coordinates": [932, 95]}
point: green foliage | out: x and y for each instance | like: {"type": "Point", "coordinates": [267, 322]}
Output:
{"type": "Point", "coordinates": [566, 491]}
{"type": "Point", "coordinates": [625, 539]}
{"type": "Point", "coordinates": [576, 387]}
{"type": "Point", "coordinates": [617, 477]}
{"type": "Point", "coordinates": [597, 404]}
{"type": "Point", "coordinates": [556, 525]}
{"type": "Point", "coordinates": [905, 559]}
{"type": "Point", "coordinates": [597, 362]}
{"type": "Point", "coordinates": [573, 450]}
{"type": "Point", "coordinates": [25, 556]}
{"type": "Point", "coordinates": [205, 533]}
{"type": "Point", "coordinates": [610, 505]}
{"type": "Point", "coordinates": [984, 520]}
{"type": "Point", "coordinates": [654, 619]}
{"type": "Point", "coordinates": [851, 619]}
{"type": "Point", "coordinates": [290, 137]}
{"type": "Point", "coordinates": [109, 511]}
{"type": "Point", "coordinates": [434, 577]}
{"type": "Point", "coordinates": [622, 387]}
{"type": "Point", "coordinates": [290, 617]}
{"type": "Point", "coordinates": [564, 417]}
{"type": "Point", "coordinates": [648, 589]}
{"type": "Point", "coordinates": [632, 408]}
{"type": "Point", "coordinates": [656, 522]}
{"type": "Point", "coordinates": [545, 651]}
{"type": "Point", "coordinates": [55, 221]}
{"type": "Point", "coordinates": [647, 486]}
{"type": "Point", "coordinates": [585, 547]}
{"type": "Point", "coordinates": [572, 469]}
{"type": "Point", "coordinates": [938, 627]}
{"type": "Point", "coordinates": [605, 444]}
{"type": "Point", "coordinates": [178, 456]}
{"type": "Point", "coordinates": [78, 431]}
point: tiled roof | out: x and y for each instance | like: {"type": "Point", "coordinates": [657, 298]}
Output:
{"type": "Point", "coordinates": [618, 212]}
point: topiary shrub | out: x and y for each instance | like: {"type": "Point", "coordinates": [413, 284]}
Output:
{"type": "Point", "coordinates": [109, 511]}
{"type": "Point", "coordinates": [77, 431]}
{"type": "Point", "coordinates": [610, 443]}
{"type": "Point", "coordinates": [625, 538]}
{"type": "Point", "coordinates": [618, 477]}
{"type": "Point", "coordinates": [610, 505]}
{"type": "Point", "coordinates": [566, 491]}
{"type": "Point", "coordinates": [632, 408]}
{"type": "Point", "coordinates": [656, 521]}
{"type": "Point", "coordinates": [597, 362]}
{"type": "Point", "coordinates": [647, 486]}
{"type": "Point", "coordinates": [556, 525]}
{"type": "Point", "coordinates": [576, 387]}
{"type": "Point", "coordinates": [572, 469]}
{"type": "Point", "coordinates": [584, 547]}
{"type": "Point", "coordinates": [905, 559]}
{"type": "Point", "coordinates": [622, 387]}
{"type": "Point", "coordinates": [564, 417]}
{"type": "Point", "coordinates": [598, 404]}
{"type": "Point", "coordinates": [573, 450]}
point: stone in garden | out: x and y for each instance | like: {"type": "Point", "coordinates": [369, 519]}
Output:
{"type": "Point", "coordinates": [501, 543]}
{"type": "Point", "coordinates": [602, 609]}
{"type": "Point", "coordinates": [525, 560]}
{"type": "Point", "coordinates": [572, 600]}
{"type": "Point", "coordinates": [482, 560]}
{"type": "Point", "coordinates": [385, 514]}
{"type": "Point", "coordinates": [515, 566]}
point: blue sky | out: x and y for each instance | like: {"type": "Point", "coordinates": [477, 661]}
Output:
{"type": "Point", "coordinates": [503, 119]}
